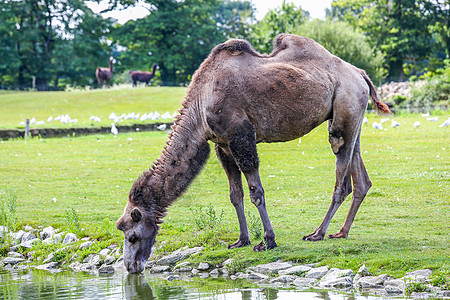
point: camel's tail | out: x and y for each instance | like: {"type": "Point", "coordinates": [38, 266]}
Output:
{"type": "Point", "coordinates": [381, 107]}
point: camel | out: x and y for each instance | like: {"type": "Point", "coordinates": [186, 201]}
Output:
{"type": "Point", "coordinates": [104, 74]}
{"type": "Point", "coordinates": [237, 99]}
{"type": "Point", "coordinates": [142, 76]}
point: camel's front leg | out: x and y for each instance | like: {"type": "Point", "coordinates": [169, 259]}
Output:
{"type": "Point", "coordinates": [242, 145]}
{"type": "Point", "coordinates": [236, 194]}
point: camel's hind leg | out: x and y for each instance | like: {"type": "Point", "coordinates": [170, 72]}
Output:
{"type": "Point", "coordinates": [242, 144]}
{"type": "Point", "coordinates": [236, 194]}
{"type": "Point", "coordinates": [361, 185]}
{"type": "Point", "coordinates": [343, 134]}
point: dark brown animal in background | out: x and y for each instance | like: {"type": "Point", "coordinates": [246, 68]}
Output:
{"type": "Point", "coordinates": [238, 98]}
{"type": "Point", "coordinates": [142, 76]}
{"type": "Point", "coordinates": [104, 74]}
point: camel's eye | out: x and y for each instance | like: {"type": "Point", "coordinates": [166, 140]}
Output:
{"type": "Point", "coordinates": [133, 239]}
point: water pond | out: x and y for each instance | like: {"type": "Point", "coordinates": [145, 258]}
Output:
{"type": "Point", "coordinates": [39, 284]}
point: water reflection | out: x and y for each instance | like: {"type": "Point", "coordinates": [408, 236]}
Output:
{"type": "Point", "coordinates": [68, 285]}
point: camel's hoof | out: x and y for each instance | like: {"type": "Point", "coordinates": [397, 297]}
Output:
{"type": "Point", "coordinates": [338, 235]}
{"type": "Point", "coordinates": [239, 244]}
{"type": "Point", "coordinates": [313, 237]}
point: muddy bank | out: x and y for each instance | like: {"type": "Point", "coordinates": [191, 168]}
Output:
{"type": "Point", "coordinates": [6, 134]}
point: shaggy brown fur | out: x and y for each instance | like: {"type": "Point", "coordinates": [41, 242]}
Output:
{"type": "Point", "coordinates": [104, 74]}
{"type": "Point", "coordinates": [142, 76]}
{"type": "Point", "coordinates": [238, 98]}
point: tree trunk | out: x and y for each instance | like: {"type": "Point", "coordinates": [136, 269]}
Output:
{"type": "Point", "coordinates": [396, 70]}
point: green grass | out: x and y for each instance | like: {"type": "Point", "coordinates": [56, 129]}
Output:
{"type": "Point", "coordinates": [81, 105]}
{"type": "Point", "coordinates": [401, 226]}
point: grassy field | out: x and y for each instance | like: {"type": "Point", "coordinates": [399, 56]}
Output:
{"type": "Point", "coordinates": [81, 105]}
{"type": "Point", "coordinates": [401, 226]}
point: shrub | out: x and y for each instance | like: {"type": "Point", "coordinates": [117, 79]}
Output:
{"type": "Point", "coordinates": [346, 42]}
{"type": "Point", "coordinates": [8, 214]}
{"type": "Point", "coordinates": [435, 88]}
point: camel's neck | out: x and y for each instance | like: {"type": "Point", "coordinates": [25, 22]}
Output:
{"type": "Point", "coordinates": [154, 69]}
{"type": "Point", "coordinates": [181, 161]}
{"type": "Point", "coordinates": [111, 66]}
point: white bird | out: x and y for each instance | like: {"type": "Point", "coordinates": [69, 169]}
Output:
{"type": "Point", "coordinates": [143, 117]}
{"type": "Point", "coordinates": [112, 116]}
{"type": "Point", "coordinates": [365, 120]}
{"type": "Point", "coordinates": [162, 127]}
{"type": "Point", "coordinates": [426, 115]}
{"type": "Point", "coordinates": [40, 123]}
{"type": "Point", "coordinates": [50, 119]}
{"type": "Point", "coordinates": [446, 123]}
{"type": "Point", "coordinates": [156, 116]}
{"type": "Point", "coordinates": [433, 119]}
{"type": "Point", "coordinates": [395, 124]}
{"type": "Point", "coordinates": [114, 129]}
{"type": "Point", "coordinates": [95, 119]}
{"type": "Point", "coordinates": [384, 120]}
{"type": "Point", "coordinates": [416, 124]}
{"type": "Point", "coordinates": [377, 125]}
{"type": "Point", "coordinates": [33, 121]}
{"type": "Point", "coordinates": [166, 115]}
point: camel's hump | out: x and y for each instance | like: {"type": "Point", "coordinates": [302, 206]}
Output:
{"type": "Point", "coordinates": [235, 47]}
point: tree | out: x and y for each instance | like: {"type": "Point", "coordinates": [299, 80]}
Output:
{"type": "Point", "coordinates": [400, 28]}
{"type": "Point", "coordinates": [38, 39]}
{"type": "Point", "coordinates": [346, 42]}
{"type": "Point", "coordinates": [276, 21]}
{"type": "Point", "coordinates": [178, 35]}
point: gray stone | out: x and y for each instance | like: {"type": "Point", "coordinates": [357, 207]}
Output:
{"type": "Point", "coordinates": [305, 282]}
{"type": "Point", "coordinates": [233, 277]}
{"type": "Point", "coordinates": [390, 290]}
{"type": "Point", "coordinates": [57, 238]}
{"type": "Point", "coordinates": [283, 279]}
{"type": "Point", "coordinates": [172, 277]}
{"type": "Point", "coordinates": [12, 260]}
{"type": "Point", "coordinates": [421, 295]}
{"type": "Point", "coordinates": [106, 269]}
{"type": "Point", "coordinates": [317, 273]}
{"type": "Point", "coordinates": [15, 254]}
{"type": "Point", "coordinates": [93, 259]}
{"type": "Point", "coordinates": [363, 271]}
{"type": "Point", "coordinates": [227, 262]}
{"type": "Point", "coordinates": [28, 228]}
{"type": "Point", "coordinates": [195, 271]}
{"type": "Point", "coordinates": [159, 269]}
{"type": "Point", "coordinates": [149, 263]}
{"type": "Point", "coordinates": [203, 266]}
{"type": "Point", "coordinates": [178, 255]}
{"type": "Point", "coordinates": [29, 244]}
{"type": "Point", "coordinates": [86, 245]}
{"type": "Point", "coordinates": [419, 275]}
{"type": "Point", "coordinates": [17, 236]}
{"type": "Point", "coordinates": [47, 232]}
{"type": "Point", "coordinates": [104, 252]}
{"type": "Point", "coordinates": [27, 236]}
{"type": "Point", "coordinates": [272, 268]}
{"type": "Point", "coordinates": [109, 260]}
{"type": "Point", "coordinates": [372, 282]}
{"type": "Point", "coordinates": [337, 278]}
{"type": "Point", "coordinates": [443, 294]}
{"type": "Point", "coordinates": [254, 276]}
{"type": "Point", "coordinates": [204, 275]}
{"type": "Point", "coordinates": [49, 258]}
{"type": "Point", "coordinates": [51, 267]}
{"type": "Point", "coordinates": [214, 272]}
{"type": "Point", "coordinates": [184, 269]}
{"type": "Point", "coordinates": [297, 270]}
{"type": "Point", "coordinates": [70, 238]}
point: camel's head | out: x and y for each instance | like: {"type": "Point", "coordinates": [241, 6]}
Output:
{"type": "Point", "coordinates": [140, 229]}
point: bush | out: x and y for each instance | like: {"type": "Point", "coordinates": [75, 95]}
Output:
{"type": "Point", "coordinates": [346, 42]}
{"type": "Point", "coordinates": [435, 88]}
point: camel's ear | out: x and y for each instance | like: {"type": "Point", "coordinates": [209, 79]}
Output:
{"type": "Point", "coordinates": [136, 215]}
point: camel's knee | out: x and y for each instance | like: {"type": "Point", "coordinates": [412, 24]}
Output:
{"type": "Point", "coordinates": [257, 195]}
{"type": "Point", "coordinates": [236, 197]}
{"type": "Point", "coordinates": [336, 141]}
